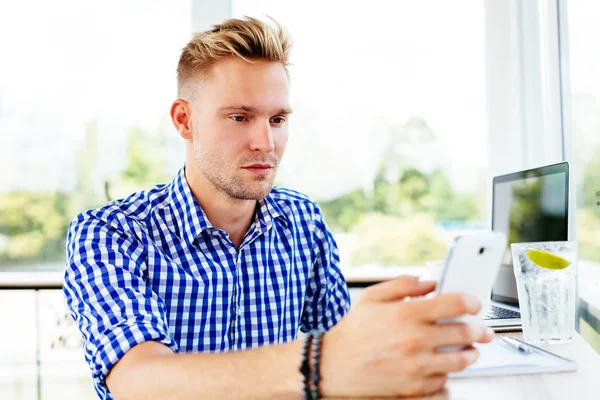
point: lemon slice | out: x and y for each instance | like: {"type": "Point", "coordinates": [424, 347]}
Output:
{"type": "Point", "coordinates": [547, 260]}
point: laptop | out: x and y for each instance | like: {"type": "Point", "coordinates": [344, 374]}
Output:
{"type": "Point", "coordinates": [527, 206]}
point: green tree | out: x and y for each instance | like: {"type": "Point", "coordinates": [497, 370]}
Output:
{"type": "Point", "coordinates": [345, 211]}
{"type": "Point", "coordinates": [146, 163]}
{"type": "Point", "coordinates": [34, 226]}
{"type": "Point", "coordinates": [591, 184]}
{"type": "Point", "coordinates": [387, 197]}
{"type": "Point", "coordinates": [416, 192]}
{"type": "Point", "coordinates": [393, 241]}
{"type": "Point", "coordinates": [146, 158]}
{"type": "Point", "coordinates": [447, 205]}
{"type": "Point", "coordinates": [588, 235]}
{"type": "Point", "coordinates": [403, 197]}
{"type": "Point", "coordinates": [412, 187]}
{"type": "Point", "coordinates": [588, 213]}
{"type": "Point", "coordinates": [413, 193]}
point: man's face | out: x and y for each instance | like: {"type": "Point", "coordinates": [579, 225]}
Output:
{"type": "Point", "coordinates": [240, 115]}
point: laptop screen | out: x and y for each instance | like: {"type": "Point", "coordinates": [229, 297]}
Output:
{"type": "Point", "coordinates": [528, 206]}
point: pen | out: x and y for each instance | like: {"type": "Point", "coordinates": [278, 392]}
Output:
{"type": "Point", "coordinates": [517, 344]}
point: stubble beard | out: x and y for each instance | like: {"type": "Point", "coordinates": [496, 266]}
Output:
{"type": "Point", "coordinates": [232, 184]}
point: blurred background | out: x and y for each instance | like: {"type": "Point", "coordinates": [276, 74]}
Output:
{"type": "Point", "coordinates": [403, 111]}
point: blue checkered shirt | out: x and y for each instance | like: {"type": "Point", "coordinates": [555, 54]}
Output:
{"type": "Point", "coordinates": [152, 267]}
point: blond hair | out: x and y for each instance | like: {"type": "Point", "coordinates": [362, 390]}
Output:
{"type": "Point", "coordinates": [249, 39]}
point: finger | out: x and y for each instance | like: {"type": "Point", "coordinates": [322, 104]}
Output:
{"type": "Point", "coordinates": [397, 289]}
{"type": "Point", "coordinates": [458, 334]}
{"type": "Point", "coordinates": [429, 385]}
{"type": "Point", "coordinates": [443, 306]}
{"type": "Point", "coordinates": [445, 363]}
{"type": "Point", "coordinates": [443, 394]}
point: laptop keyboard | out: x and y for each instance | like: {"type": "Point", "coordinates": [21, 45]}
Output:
{"type": "Point", "coordinates": [494, 312]}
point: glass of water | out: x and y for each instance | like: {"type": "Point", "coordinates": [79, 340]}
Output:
{"type": "Point", "coordinates": [546, 275]}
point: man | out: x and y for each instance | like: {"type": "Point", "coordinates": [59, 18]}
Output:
{"type": "Point", "coordinates": [198, 288]}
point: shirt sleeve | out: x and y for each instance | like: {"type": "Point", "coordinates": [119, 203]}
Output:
{"type": "Point", "coordinates": [327, 297]}
{"type": "Point", "coordinates": [105, 289]}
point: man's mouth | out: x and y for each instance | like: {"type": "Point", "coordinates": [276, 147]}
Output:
{"type": "Point", "coordinates": [259, 168]}
{"type": "Point", "coordinates": [259, 165]}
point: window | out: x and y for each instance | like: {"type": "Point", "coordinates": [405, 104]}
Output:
{"type": "Point", "coordinates": [584, 63]}
{"type": "Point", "coordinates": [389, 132]}
{"type": "Point", "coordinates": [85, 90]}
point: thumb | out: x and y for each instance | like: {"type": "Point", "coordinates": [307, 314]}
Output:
{"type": "Point", "coordinates": [396, 289]}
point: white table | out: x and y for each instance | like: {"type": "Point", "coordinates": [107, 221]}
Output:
{"type": "Point", "coordinates": [580, 385]}
{"type": "Point", "coordinates": [584, 384]}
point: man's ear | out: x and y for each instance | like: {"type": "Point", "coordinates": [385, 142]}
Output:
{"type": "Point", "coordinates": [181, 115]}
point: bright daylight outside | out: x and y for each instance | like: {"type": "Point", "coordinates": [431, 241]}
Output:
{"type": "Point", "coordinates": [585, 108]}
{"type": "Point", "coordinates": [390, 143]}
{"type": "Point", "coordinates": [389, 132]}
{"type": "Point", "coordinates": [388, 135]}
{"type": "Point", "coordinates": [85, 91]}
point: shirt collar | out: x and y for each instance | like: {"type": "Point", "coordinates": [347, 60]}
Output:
{"type": "Point", "coordinates": [192, 221]}
{"type": "Point", "coordinates": [188, 215]}
{"type": "Point", "coordinates": [268, 211]}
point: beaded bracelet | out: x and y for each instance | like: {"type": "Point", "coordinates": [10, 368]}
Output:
{"type": "Point", "coordinates": [305, 366]}
{"type": "Point", "coordinates": [315, 363]}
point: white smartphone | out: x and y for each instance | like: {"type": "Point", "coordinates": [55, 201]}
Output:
{"type": "Point", "coordinates": [471, 266]}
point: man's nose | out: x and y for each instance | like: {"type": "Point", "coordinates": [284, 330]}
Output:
{"type": "Point", "coordinates": [262, 137]}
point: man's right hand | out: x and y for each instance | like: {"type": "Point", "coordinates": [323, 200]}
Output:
{"type": "Point", "coordinates": [386, 346]}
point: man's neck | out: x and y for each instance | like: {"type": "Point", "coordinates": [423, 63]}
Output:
{"type": "Point", "coordinates": [234, 216]}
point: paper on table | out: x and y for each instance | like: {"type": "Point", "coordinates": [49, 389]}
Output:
{"type": "Point", "coordinates": [499, 354]}
{"type": "Point", "coordinates": [499, 358]}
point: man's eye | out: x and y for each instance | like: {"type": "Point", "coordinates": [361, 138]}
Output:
{"type": "Point", "coordinates": [278, 120]}
{"type": "Point", "coordinates": [238, 118]}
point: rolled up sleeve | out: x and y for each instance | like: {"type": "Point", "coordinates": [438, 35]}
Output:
{"type": "Point", "coordinates": [106, 292]}
{"type": "Point", "coordinates": [327, 299]}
